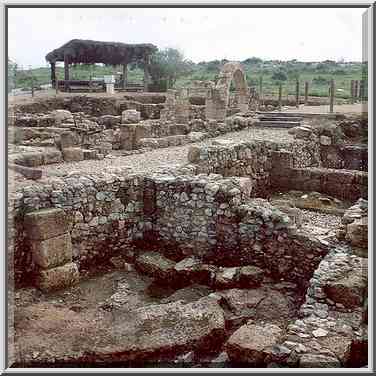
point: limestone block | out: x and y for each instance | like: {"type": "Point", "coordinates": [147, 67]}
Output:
{"type": "Point", "coordinates": [130, 116]}
{"type": "Point", "coordinates": [325, 140]}
{"type": "Point", "coordinates": [73, 154]}
{"type": "Point", "coordinates": [68, 139]}
{"type": "Point", "coordinates": [46, 223]}
{"type": "Point", "coordinates": [357, 232]}
{"type": "Point", "coordinates": [90, 153]}
{"type": "Point", "coordinates": [52, 157]}
{"type": "Point", "coordinates": [32, 159]}
{"type": "Point", "coordinates": [52, 252]}
{"type": "Point", "coordinates": [127, 136]}
{"type": "Point", "coordinates": [196, 136]}
{"type": "Point", "coordinates": [58, 278]}
{"type": "Point", "coordinates": [155, 265]}
{"type": "Point", "coordinates": [252, 343]}
{"type": "Point", "coordinates": [62, 116]}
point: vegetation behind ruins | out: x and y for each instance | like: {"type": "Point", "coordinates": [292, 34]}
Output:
{"type": "Point", "coordinates": [272, 73]}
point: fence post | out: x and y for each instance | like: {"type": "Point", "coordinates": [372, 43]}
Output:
{"type": "Point", "coordinates": [297, 94]}
{"type": "Point", "coordinates": [352, 91]}
{"type": "Point", "coordinates": [331, 92]}
{"type": "Point", "coordinates": [32, 86]}
{"type": "Point", "coordinates": [280, 97]}
{"type": "Point", "coordinates": [361, 89]}
{"type": "Point", "coordinates": [356, 88]}
{"type": "Point", "coordinates": [306, 93]}
{"type": "Point", "coordinates": [260, 89]}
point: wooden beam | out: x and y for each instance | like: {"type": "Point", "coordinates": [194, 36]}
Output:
{"type": "Point", "coordinates": [66, 72]}
{"type": "Point", "coordinates": [146, 73]}
{"type": "Point", "coordinates": [53, 74]}
{"type": "Point", "coordinates": [332, 89]}
{"type": "Point", "coordinates": [297, 94]}
{"type": "Point", "coordinates": [125, 75]}
{"type": "Point", "coordinates": [306, 86]}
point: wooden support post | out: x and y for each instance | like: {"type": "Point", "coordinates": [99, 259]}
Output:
{"type": "Point", "coordinates": [125, 75]}
{"type": "Point", "coordinates": [332, 90]}
{"type": "Point", "coordinates": [297, 94]}
{"type": "Point", "coordinates": [260, 91]}
{"type": "Point", "coordinates": [352, 85]}
{"type": "Point", "coordinates": [53, 74]}
{"type": "Point", "coordinates": [66, 72]}
{"type": "Point", "coordinates": [356, 89]}
{"type": "Point", "coordinates": [361, 90]}
{"type": "Point", "coordinates": [32, 86]}
{"type": "Point", "coordinates": [306, 86]}
{"type": "Point", "coordinates": [280, 97]}
{"type": "Point", "coordinates": [146, 73]}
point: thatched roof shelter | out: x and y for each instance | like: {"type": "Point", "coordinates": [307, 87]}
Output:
{"type": "Point", "coordinates": [79, 51]}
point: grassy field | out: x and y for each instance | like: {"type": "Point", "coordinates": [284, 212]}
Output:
{"type": "Point", "coordinates": [272, 72]}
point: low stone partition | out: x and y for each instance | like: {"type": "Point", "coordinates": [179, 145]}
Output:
{"type": "Point", "coordinates": [348, 185]}
{"type": "Point", "coordinates": [273, 166]}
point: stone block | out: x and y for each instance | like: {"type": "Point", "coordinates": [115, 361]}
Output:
{"type": "Point", "coordinates": [130, 116]}
{"type": "Point", "coordinates": [253, 343]}
{"type": "Point", "coordinates": [357, 233]}
{"type": "Point", "coordinates": [58, 278]}
{"type": "Point", "coordinates": [52, 252]}
{"type": "Point", "coordinates": [62, 116]}
{"type": "Point", "coordinates": [104, 148]}
{"type": "Point", "coordinates": [325, 140]}
{"type": "Point", "coordinates": [69, 139]}
{"type": "Point", "coordinates": [32, 159]}
{"type": "Point", "coordinates": [127, 136]}
{"type": "Point", "coordinates": [90, 153]}
{"type": "Point", "coordinates": [73, 155]}
{"type": "Point", "coordinates": [46, 223]}
{"type": "Point", "coordinates": [52, 157]}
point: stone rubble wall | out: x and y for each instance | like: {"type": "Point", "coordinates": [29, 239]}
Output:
{"type": "Point", "coordinates": [332, 324]}
{"type": "Point", "coordinates": [199, 215]}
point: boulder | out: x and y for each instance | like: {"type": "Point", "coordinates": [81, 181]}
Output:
{"type": "Point", "coordinates": [192, 270]}
{"type": "Point", "coordinates": [357, 232]}
{"type": "Point", "coordinates": [252, 343]}
{"type": "Point", "coordinates": [155, 265]}
{"type": "Point", "coordinates": [349, 290]}
{"type": "Point", "coordinates": [318, 361]}
{"type": "Point", "coordinates": [250, 276]}
{"type": "Point", "coordinates": [149, 333]}
{"type": "Point", "coordinates": [188, 294]}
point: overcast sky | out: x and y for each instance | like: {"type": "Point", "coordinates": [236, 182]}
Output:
{"type": "Point", "coordinates": [201, 34]}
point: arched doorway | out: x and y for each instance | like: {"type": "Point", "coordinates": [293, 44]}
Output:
{"type": "Point", "coordinates": [218, 97]}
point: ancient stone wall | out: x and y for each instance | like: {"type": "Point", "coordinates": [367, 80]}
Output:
{"type": "Point", "coordinates": [205, 216]}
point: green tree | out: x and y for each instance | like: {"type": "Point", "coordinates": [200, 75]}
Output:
{"type": "Point", "coordinates": [279, 75]}
{"type": "Point", "coordinates": [12, 74]}
{"type": "Point", "coordinates": [168, 65]}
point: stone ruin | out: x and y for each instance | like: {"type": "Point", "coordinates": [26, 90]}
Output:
{"type": "Point", "coordinates": [210, 262]}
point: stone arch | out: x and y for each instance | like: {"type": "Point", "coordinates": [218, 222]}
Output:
{"type": "Point", "coordinates": [218, 97]}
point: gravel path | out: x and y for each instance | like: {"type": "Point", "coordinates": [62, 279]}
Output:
{"type": "Point", "coordinates": [164, 157]}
